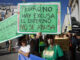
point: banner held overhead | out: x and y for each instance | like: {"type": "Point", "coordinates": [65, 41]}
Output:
{"type": "Point", "coordinates": [39, 17]}
{"type": "Point", "coordinates": [8, 29]}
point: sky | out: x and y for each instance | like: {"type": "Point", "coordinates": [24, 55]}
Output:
{"type": "Point", "coordinates": [64, 4]}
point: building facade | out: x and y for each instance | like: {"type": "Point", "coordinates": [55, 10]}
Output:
{"type": "Point", "coordinates": [74, 17]}
{"type": "Point", "coordinates": [75, 9]}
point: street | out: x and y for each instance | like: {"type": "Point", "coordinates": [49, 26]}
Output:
{"type": "Point", "coordinates": [13, 56]}
{"type": "Point", "coordinates": [4, 54]}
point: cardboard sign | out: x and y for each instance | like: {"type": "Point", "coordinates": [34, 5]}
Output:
{"type": "Point", "coordinates": [64, 43]}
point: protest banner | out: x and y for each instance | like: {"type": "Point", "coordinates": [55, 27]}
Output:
{"type": "Point", "coordinates": [39, 17]}
{"type": "Point", "coordinates": [8, 29]}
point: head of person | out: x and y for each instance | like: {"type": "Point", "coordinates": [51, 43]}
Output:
{"type": "Point", "coordinates": [69, 34]}
{"type": "Point", "coordinates": [73, 34]}
{"type": "Point", "coordinates": [38, 35]}
{"type": "Point", "coordinates": [51, 39]}
{"type": "Point", "coordinates": [23, 43]}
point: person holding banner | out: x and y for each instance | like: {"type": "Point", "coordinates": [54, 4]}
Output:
{"type": "Point", "coordinates": [25, 53]}
{"type": "Point", "coordinates": [25, 49]}
{"type": "Point", "coordinates": [10, 46]}
{"type": "Point", "coordinates": [37, 41]}
{"type": "Point", "coordinates": [53, 51]}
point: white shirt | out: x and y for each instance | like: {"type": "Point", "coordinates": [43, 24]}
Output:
{"type": "Point", "coordinates": [25, 49]}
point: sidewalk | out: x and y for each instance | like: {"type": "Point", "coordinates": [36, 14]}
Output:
{"type": "Point", "coordinates": [4, 54]}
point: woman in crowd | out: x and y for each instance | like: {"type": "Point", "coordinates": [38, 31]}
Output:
{"type": "Point", "coordinates": [53, 51]}
{"type": "Point", "coordinates": [25, 48]}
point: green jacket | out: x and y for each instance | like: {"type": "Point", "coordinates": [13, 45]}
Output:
{"type": "Point", "coordinates": [52, 53]}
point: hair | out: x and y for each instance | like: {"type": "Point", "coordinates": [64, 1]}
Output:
{"type": "Point", "coordinates": [49, 37]}
{"type": "Point", "coordinates": [24, 37]}
{"type": "Point", "coordinates": [23, 41]}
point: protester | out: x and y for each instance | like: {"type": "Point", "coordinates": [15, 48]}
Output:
{"type": "Point", "coordinates": [74, 40]}
{"type": "Point", "coordinates": [78, 47]}
{"type": "Point", "coordinates": [7, 44]}
{"type": "Point", "coordinates": [37, 44]}
{"type": "Point", "coordinates": [74, 44]}
{"type": "Point", "coordinates": [53, 52]}
{"type": "Point", "coordinates": [67, 52]}
{"type": "Point", "coordinates": [33, 44]}
{"type": "Point", "coordinates": [10, 46]}
{"type": "Point", "coordinates": [25, 48]}
{"type": "Point", "coordinates": [37, 41]}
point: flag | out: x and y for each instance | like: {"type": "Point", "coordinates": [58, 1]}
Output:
{"type": "Point", "coordinates": [31, 57]}
{"type": "Point", "coordinates": [69, 20]}
{"type": "Point", "coordinates": [69, 23]}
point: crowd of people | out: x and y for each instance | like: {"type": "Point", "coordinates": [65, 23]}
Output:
{"type": "Point", "coordinates": [6, 11]}
{"type": "Point", "coordinates": [44, 46]}
{"type": "Point", "coordinates": [5, 14]}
